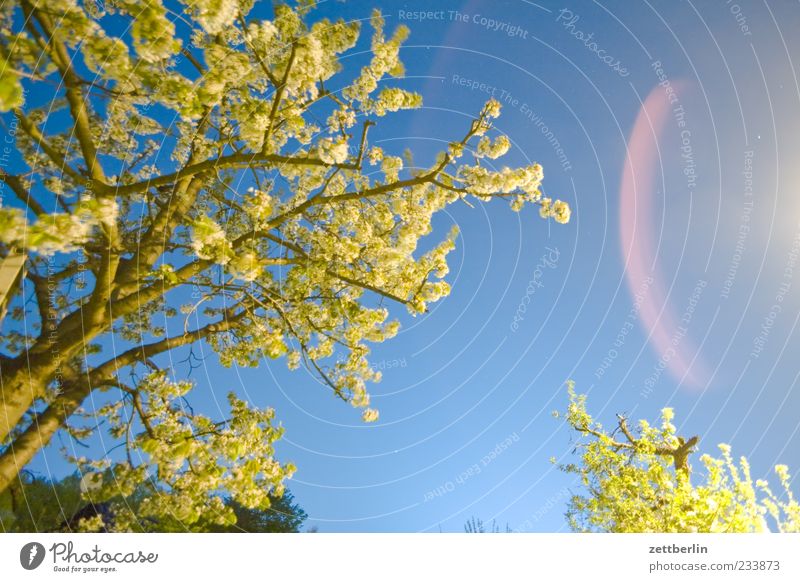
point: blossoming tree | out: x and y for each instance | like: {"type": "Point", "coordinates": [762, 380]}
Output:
{"type": "Point", "coordinates": [200, 165]}
{"type": "Point", "coordinates": [641, 481]}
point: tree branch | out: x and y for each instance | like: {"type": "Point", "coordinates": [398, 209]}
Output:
{"type": "Point", "coordinates": [77, 104]}
{"type": "Point", "coordinates": [21, 192]}
{"type": "Point", "coordinates": [679, 454]}
{"type": "Point", "coordinates": [236, 160]}
{"type": "Point", "coordinates": [146, 351]}
{"type": "Point", "coordinates": [55, 156]}
{"type": "Point", "coordinates": [276, 101]}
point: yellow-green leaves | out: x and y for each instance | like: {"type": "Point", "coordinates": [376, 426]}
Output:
{"type": "Point", "coordinates": [107, 56]}
{"type": "Point", "coordinates": [225, 164]}
{"type": "Point", "coordinates": [10, 88]}
{"type": "Point", "coordinates": [153, 32]}
{"type": "Point", "coordinates": [632, 485]}
{"type": "Point", "coordinates": [196, 461]}
{"type": "Point", "coordinates": [215, 16]}
{"type": "Point", "coordinates": [395, 99]}
{"type": "Point", "coordinates": [58, 232]}
{"type": "Point", "coordinates": [210, 242]}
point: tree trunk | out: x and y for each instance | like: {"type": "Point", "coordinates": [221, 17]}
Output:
{"type": "Point", "coordinates": [24, 380]}
{"type": "Point", "coordinates": [20, 452]}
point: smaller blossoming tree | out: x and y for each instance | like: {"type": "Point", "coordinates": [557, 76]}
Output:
{"type": "Point", "coordinates": [641, 481]}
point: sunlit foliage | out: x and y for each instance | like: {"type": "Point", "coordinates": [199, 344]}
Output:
{"type": "Point", "coordinates": [190, 173]}
{"type": "Point", "coordinates": [640, 480]}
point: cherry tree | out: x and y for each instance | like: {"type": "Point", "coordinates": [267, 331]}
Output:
{"type": "Point", "coordinates": [190, 173]}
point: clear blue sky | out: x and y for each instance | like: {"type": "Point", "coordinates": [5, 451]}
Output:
{"type": "Point", "coordinates": [713, 254]}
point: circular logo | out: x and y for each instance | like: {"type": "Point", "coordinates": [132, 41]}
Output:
{"type": "Point", "coordinates": [31, 555]}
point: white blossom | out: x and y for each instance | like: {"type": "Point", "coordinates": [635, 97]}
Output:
{"type": "Point", "coordinates": [332, 152]}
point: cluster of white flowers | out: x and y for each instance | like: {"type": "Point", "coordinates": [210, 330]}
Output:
{"type": "Point", "coordinates": [391, 166]}
{"type": "Point", "coordinates": [370, 415]}
{"type": "Point", "coordinates": [105, 210]}
{"type": "Point", "coordinates": [375, 155]}
{"type": "Point", "coordinates": [483, 182]}
{"type": "Point", "coordinates": [304, 132]}
{"type": "Point", "coordinates": [311, 63]}
{"type": "Point", "coordinates": [195, 458]}
{"type": "Point", "coordinates": [386, 54]}
{"type": "Point", "coordinates": [288, 22]}
{"type": "Point", "coordinates": [492, 149]}
{"type": "Point", "coordinates": [395, 99]}
{"type": "Point", "coordinates": [107, 56]}
{"type": "Point", "coordinates": [58, 232]}
{"type": "Point", "coordinates": [492, 108]}
{"type": "Point", "coordinates": [315, 50]}
{"type": "Point", "coordinates": [260, 34]}
{"type": "Point", "coordinates": [360, 397]}
{"type": "Point", "coordinates": [522, 185]}
{"type": "Point", "coordinates": [341, 119]}
{"type": "Point", "coordinates": [332, 151]}
{"type": "Point", "coordinates": [121, 131]}
{"type": "Point", "coordinates": [152, 31]}
{"type": "Point", "coordinates": [306, 180]}
{"type": "Point", "coordinates": [273, 343]}
{"type": "Point", "coordinates": [210, 242]}
{"type": "Point", "coordinates": [490, 111]}
{"type": "Point", "coordinates": [559, 210]}
{"type": "Point", "coordinates": [385, 60]}
{"type": "Point", "coordinates": [13, 226]}
{"type": "Point", "coordinates": [213, 15]}
{"type": "Point", "coordinates": [455, 150]}
{"type": "Point", "coordinates": [245, 266]}
{"type": "Point", "coordinates": [258, 205]}
{"type": "Point", "coordinates": [226, 67]}
{"type": "Point", "coordinates": [253, 119]}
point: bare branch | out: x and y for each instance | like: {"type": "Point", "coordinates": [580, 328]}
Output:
{"type": "Point", "coordinates": [55, 156]}
{"type": "Point", "coordinates": [276, 100]}
{"type": "Point", "coordinates": [21, 192]}
{"type": "Point", "coordinates": [77, 104]}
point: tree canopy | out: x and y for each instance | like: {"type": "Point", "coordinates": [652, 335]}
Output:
{"type": "Point", "coordinates": [186, 172]}
{"type": "Point", "coordinates": [39, 504]}
{"type": "Point", "coordinates": [640, 480]}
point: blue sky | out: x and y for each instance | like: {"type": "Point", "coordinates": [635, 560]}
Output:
{"type": "Point", "coordinates": [467, 394]}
